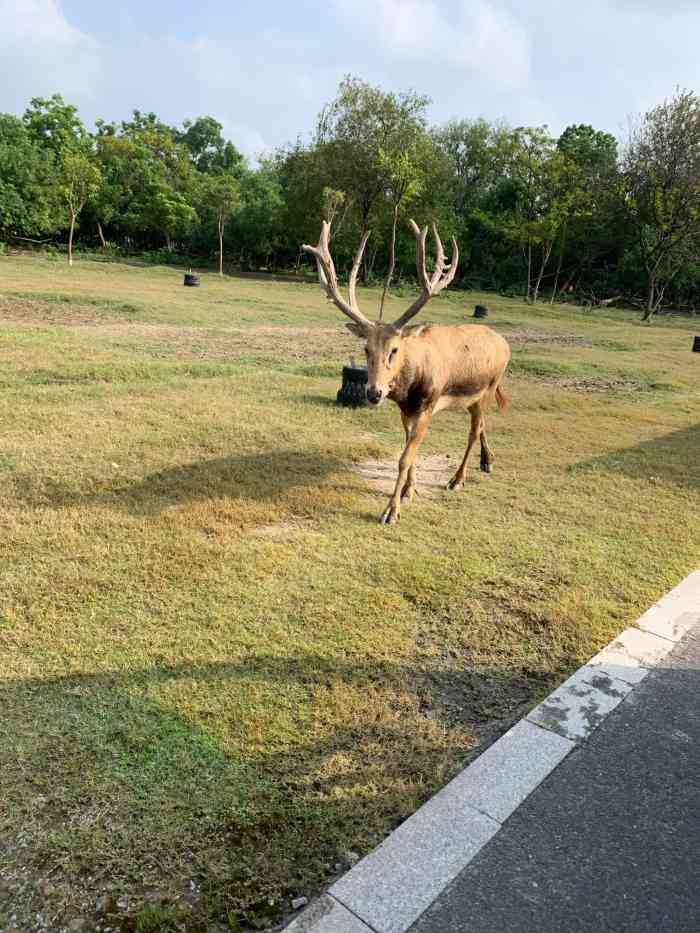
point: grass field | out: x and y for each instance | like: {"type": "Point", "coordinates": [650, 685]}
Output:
{"type": "Point", "coordinates": [221, 677]}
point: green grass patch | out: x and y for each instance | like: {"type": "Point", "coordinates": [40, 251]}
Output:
{"type": "Point", "coordinates": [218, 672]}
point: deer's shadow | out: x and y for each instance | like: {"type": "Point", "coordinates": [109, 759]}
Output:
{"type": "Point", "coordinates": [260, 476]}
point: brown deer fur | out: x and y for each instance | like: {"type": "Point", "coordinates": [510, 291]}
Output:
{"type": "Point", "coordinates": [424, 368]}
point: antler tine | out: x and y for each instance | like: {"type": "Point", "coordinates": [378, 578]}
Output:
{"type": "Point", "coordinates": [452, 268]}
{"type": "Point", "coordinates": [329, 280]}
{"type": "Point", "coordinates": [352, 282]}
{"type": "Point", "coordinates": [420, 236]}
{"type": "Point", "coordinates": [442, 276]}
{"type": "Point", "coordinates": [440, 258]}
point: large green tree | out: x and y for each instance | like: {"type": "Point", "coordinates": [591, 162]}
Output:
{"type": "Point", "coordinates": [151, 183]}
{"type": "Point", "coordinates": [79, 181]}
{"type": "Point", "coordinates": [210, 151]}
{"type": "Point", "coordinates": [55, 124]}
{"type": "Point", "coordinates": [591, 230]}
{"type": "Point", "coordinates": [28, 194]}
{"type": "Point", "coordinates": [661, 172]}
{"type": "Point", "coordinates": [359, 136]}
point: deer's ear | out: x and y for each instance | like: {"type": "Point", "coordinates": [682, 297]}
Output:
{"type": "Point", "coordinates": [414, 330]}
{"type": "Point", "coordinates": [359, 330]}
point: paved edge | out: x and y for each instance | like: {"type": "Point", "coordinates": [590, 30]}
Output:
{"type": "Point", "coordinates": [389, 889]}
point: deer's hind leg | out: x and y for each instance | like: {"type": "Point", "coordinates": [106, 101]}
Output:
{"type": "Point", "coordinates": [486, 464]}
{"type": "Point", "coordinates": [476, 430]}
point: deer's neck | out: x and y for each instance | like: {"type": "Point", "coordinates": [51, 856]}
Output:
{"type": "Point", "coordinates": [414, 388]}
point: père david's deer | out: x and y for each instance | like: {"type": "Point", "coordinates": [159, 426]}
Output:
{"type": "Point", "coordinates": [424, 368]}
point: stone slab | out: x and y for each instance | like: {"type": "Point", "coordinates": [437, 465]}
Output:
{"type": "Point", "coordinates": [577, 708]}
{"type": "Point", "coordinates": [631, 654]}
{"type": "Point", "coordinates": [502, 777]}
{"type": "Point", "coordinates": [326, 915]}
{"type": "Point", "coordinates": [394, 884]}
{"type": "Point", "coordinates": [672, 626]}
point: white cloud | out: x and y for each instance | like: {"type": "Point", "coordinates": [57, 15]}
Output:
{"type": "Point", "coordinates": [472, 37]}
{"type": "Point", "coordinates": [265, 81]}
{"type": "Point", "coordinates": [41, 53]}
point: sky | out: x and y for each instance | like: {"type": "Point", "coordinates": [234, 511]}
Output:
{"type": "Point", "coordinates": [264, 70]}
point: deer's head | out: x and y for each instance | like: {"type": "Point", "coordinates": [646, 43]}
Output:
{"type": "Point", "coordinates": [384, 343]}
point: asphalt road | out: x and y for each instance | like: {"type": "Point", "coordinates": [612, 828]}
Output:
{"type": "Point", "coordinates": [610, 841]}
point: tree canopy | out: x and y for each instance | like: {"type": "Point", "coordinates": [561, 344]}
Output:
{"type": "Point", "coordinates": [535, 214]}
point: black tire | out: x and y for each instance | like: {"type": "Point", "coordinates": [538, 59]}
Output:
{"type": "Point", "coordinates": [481, 311]}
{"type": "Point", "coordinates": [353, 391]}
{"type": "Point", "coordinates": [191, 280]}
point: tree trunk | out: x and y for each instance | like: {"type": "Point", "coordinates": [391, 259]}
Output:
{"type": "Point", "coordinates": [546, 253]}
{"type": "Point", "coordinates": [70, 240]}
{"type": "Point", "coordinates": [651, 304]}
{"type": "Point", "coordinates": [102, 236]}
{"type": "Point", "coordinates": [365, 265]}
{"type": "Point", "coordinates": [559, 263]}
{"type": "Point", "coordinates": [529, 269]}
{"type": "Point", "coordinates": [392, 261]}
{"type": "Point", "coordinates": [221, 247]}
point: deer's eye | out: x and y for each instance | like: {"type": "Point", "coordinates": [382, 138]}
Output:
{"type": "Point", "coordinates": [366, 351]}
{"type": "Point", "coordinates": [392, 354]}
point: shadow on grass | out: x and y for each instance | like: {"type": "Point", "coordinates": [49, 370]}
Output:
{"type": "Point", "coordinates": [107, 780]}
{"type": "Point", "coordinates": [260, 476]}
{"type": "Point", "coordinates": [672, 458]}
{"type": "Point", "coordinates": [324, 401]}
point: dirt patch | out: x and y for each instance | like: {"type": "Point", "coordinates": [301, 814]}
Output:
{"type": "Point", "coordinates": [188, 344]}
{"type": "Point", "coordinates": [433, 473]}
{"type": "Point", "coordinates": [285, 343]}
{"type": "Point", "coordinates": [537, 338]}
{"type": "Point", "coordinates": [278, 531]}
{"type": "Point", "coordinates": [595, 384]}
{"type": "Point", "coordinates": [32, 312]}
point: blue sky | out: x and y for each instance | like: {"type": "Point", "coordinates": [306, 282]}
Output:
{"type": "Point", "coordinates": [265, 69]}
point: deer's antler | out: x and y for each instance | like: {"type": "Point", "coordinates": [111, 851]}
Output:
{"type": "Point", "coordinates": [329, 280]}
{"type": "Point", "coordinates": [442, 274]}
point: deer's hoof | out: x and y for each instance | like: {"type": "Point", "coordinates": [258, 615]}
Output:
{"type": "Point", "coordinates": [486, 468]}
{"type": "Point", "coordinates": [390, 515]}
{"type": "Point", "coordinates": [455, 483]}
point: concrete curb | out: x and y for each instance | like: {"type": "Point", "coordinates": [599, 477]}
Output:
{"type": "Point", "coordinates": [389, 889]}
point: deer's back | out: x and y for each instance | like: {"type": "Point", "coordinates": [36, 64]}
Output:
{"type": "Point", "coordinates": [470, 354]}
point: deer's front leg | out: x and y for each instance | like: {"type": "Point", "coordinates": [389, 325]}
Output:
{"type": "Point", "coordinates": [415, 430]}
{"type": "Point", "coordinates": [409, 487]}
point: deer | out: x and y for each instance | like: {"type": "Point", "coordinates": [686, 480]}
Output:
{"type": "Point", "coordinates": [422, 368]}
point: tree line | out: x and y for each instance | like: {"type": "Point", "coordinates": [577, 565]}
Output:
{"type": "Point", "coordinates": [575, 216]}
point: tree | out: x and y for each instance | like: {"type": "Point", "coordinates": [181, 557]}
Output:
{"type": "Point", "coordinates": [353, 131]}
{"type": "Point", "coordinates": [221, 194]}
{"type": "Point", "coordinates": [530, 215]}
{"type": "Point", "coordinates": [79, 180]}
{"type": "Point", "coordinates": [55, 124]}
{"type": "Point", "coordinates": [478, 153]}
{"type": "Point", "coordinates": [403, 171]}
{"type": "Point", "coordinates": [209, 150]}
{"type": "Point", "coordinates": [151, 182]}
{"type": "Point", "coordinates": [661, 177]}
{"type": "Point", "coordinates": [589, 224]}
{"type": "Point", "coordinates": [257, 226]}
{"type": "Point", "coordinates": [28, 202]}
